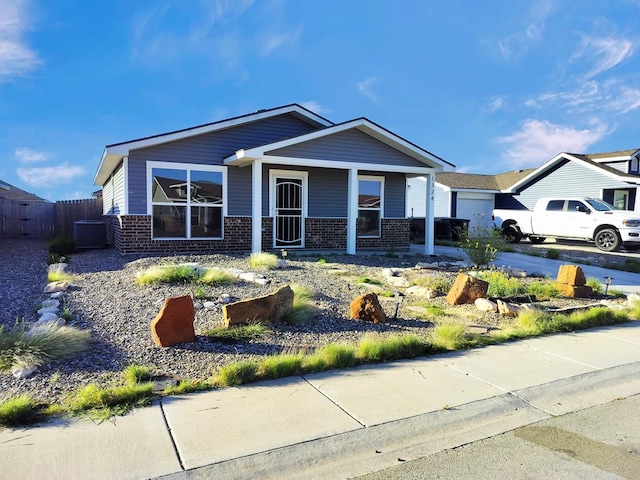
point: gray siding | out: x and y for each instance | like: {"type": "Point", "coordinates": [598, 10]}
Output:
{"type": "Point", "coordinates": [239, 191]}
{"type": "Point", "coordinates": [348, 146]}
{"type": "Point", "coordinates": [210, 149]}
{"type": "Point", "coordinates": [113, 193]}
{"type": "Point", "coordinates": [568, 179]}
{"type": "Point", "coordinates": [623, 166]}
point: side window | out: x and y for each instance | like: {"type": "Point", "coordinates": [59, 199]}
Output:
{"type": "Point", "coordinates": [370, 202]}
{"type": "Point", "coordinates": [555, 206]}
{"type": "Point", "coordinates": [575, 206]}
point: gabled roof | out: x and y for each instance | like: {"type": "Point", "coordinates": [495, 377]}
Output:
{"type": "Point", "coordinates": [617, 155]}
{"type": "Point", "coordinates": [9, 192]}
{"type": "Point", "coordinates": [588, 160]}
{"type": "Point", "coordinates": [475, 181]}
{"type": "Point", "coordinates": [242, 157]}
{"type": "Point", "coordinates": [114, 153]}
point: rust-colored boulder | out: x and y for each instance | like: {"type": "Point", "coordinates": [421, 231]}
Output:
{"type": "Point", "coordinates": [267, 308]}
{"type": "Point", "coordinates": [574, 291]}
{"type": "Point", "coordinates": [174, 322]}
{"type": "Point", "coordinates": [367, 307]}
{"type": "Point", "coordinates": [571, 275]}
{"type": "Point", "coordinates": [466, 289]}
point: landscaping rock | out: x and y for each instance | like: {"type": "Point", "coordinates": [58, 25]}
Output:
{"type": "Point", "coordinates": [267, 308]}
{"type": "Point", "coordinates": [51, 303]}
{"type": "Point", "coordinates": [508, 309]}
{"type": "Point", "coordinates": [46, 316]}
{"type": "Point", "coordinates": [51, 309]}
{"type": "Point", "coordinates": [60, 286]}
{"type": "Point", "coordinates": [225, 298]}
{"type": "Point", "coordinates": [516, 272]}
{"type": "Point", "coordinates": [422, 292]}
{"type": "Point", "coordinates": [57, 267]}
{"type": "Point", "coordinates": [209, 304]}
{"type": "Point", "coordinates": [574, 291]}
{"type": "Point", "coordinates": [367, 307]}
{"type": "Point", "coordinates": [485, 305]}
{"type": "Point", "coordinates": [571, 275]}
{"type": "Point", "coordinates": [174, 322]}
{"type": "Point", "coordinates": [466, 289]}
{"type": "Point", "coordinates": [57, 321]}
{"type": "Point", "coordinates": [56, 295]}
{"type": "Point", "coordinates": [22, 372]}
{"type": "Point", "coordinates": [397, 281]}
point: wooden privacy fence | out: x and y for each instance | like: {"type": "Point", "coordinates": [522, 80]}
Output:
{"type": "Point", "coordinates": [36, 219]}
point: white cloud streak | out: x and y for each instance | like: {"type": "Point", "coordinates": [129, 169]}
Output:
{"type": "Point", "coordinates": [519, 43]}
{"type": "Point", "coordinates": [365, 87]}
{"type": "Point", "coordinates": [274, 41]}
{"type": "Point", "coordinates": [27, 155]}
{"type": "Point", "coordinates": [314, 107]}
{"type": "Point", "coordinates": [539, 140]}
{"type": "Point", "coordinates": [603, 53]}
{"type": "Point", "coordinates": [45, 176]}
{"type": "Point", "coordinates": [16, 58]}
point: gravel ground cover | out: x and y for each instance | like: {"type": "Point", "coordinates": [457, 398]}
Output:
{"type": "Point", "coordinates": [106, 300]}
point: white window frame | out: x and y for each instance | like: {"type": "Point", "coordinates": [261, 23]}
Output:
{"type": "Point", "coordinates": [373, 178]}
{"type": "Point", "coordinates": [188, 167]}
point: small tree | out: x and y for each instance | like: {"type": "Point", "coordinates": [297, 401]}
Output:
{"type": "Point", "coordinates": [481, 245]}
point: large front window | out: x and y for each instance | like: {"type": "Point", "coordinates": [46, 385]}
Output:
{"type": "Point", "coordinates": [187, 202]}
{"type": "Point", "coordinates": [370, 202]}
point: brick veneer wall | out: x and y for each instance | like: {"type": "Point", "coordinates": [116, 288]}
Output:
{"type": "Point", "coordinates": [132, 234]}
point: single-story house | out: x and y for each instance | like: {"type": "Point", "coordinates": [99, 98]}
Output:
{"type": "Point", "coordinates": [467, 196]}
{"type": "Point", "coordinates": [613, 177]}
{"type": "Point", "coordinates": [274, 179]}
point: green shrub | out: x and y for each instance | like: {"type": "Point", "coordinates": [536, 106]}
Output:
{"type": "Point", "coordinates": [553, 253]}
{"type": "Point", "coordinates": [501, 284]}
{"type": "Point", "coordinates": [20, 410]}
{"type": "Point", "coordinates": [543, 289]}
{"type": "Point", "coordinates": [263, 261]}
{"type": "Point", "coordinates": [278, 366]}
{"type": "Point", "coordinates": [239, 333]}
{"type": "Point", "coordinates": [236, 374]}
{"type": "Point", "coordinates": [62, 245]}
{"type": "Point", "coordinates": [595, 285]}
{"type": "Point", "coordinates": [481, 245]}
{"type": "Point", "coordinates": [136, 374]}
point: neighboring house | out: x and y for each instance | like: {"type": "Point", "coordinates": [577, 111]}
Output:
{"type": "Point", "coordinates": [462, 195]}
{"type": "Point", "coordinates": [613, 177]}
{"type": "Point", "coordinates": [9, 192]}
{"type": "Point", "coordinates": [274, 179]}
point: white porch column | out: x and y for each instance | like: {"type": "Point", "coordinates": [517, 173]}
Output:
{"type": "Point", "coordinates": [352, 211]}
{"type": "Point", "coordinates": [428, 217]}
{"type": "Point", "coordinates": [256, 206]}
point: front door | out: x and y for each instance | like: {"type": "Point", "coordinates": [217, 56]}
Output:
{"type": "Point", "coordinates": [288, 200]}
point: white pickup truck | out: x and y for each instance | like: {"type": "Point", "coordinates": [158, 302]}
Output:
{"type": "Point", "coordinates": [572, 218]}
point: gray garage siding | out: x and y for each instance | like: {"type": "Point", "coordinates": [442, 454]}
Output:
{"type": "Point", "coordinates": [348, 146]}
{"type": "Point", "coordinates": [113, 193]}
{"type": "Point", "coordinates": [563, 181]}
{"type": "Point", "coordinates": [211, 149]}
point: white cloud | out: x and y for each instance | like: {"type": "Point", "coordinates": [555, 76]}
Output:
{"type": "Point", "coordinates": [365, 87]}
{"type": "Point", "coordinates": [45, 176]}
{"type": "Point", "coordinates": [592, 97]}
{"type": "Point", "coordinates": [519, 43]}
{"type": "Point", "coordinates": [274, 41]}
{"type": "Point", "coordinates": [314, 107]}
{"type": "Point", "coordinates": [538, 141]}
{"type": "Point", "coordinates": [603, 53]}
{"type": "Point", "coordinates": [27, 155]}
{"type": "Point", "coordinates": [16, 58]}
{"type": "Point", "coordinates": [495, 103]}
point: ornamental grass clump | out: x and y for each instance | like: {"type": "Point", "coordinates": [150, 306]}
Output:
{"type": "Point", "coordinates": [481, 245]}
{"type": "Point", "coordinates": [216, 276]}
{"type": "Point", "coordinates": [263, 261]}
{"type": "Point", "coordinates": [236, 374]}
{"type": "Point", "coordinates": [30, 348]}
{"type": "Point", "coordinates": [450, 335]}
{"type": "Point", "coordinates": [303, 309]}
{"type": "Point", "coordinates": [375, 348]}
{"type": "Point", "coordinates": [279, 366]}
{"type": "Point", "coordinates": [167, 274]}
{"type": "Point", "coordinates": [238, 333]}
{"type": "Point", "coordinates": [104, 403]}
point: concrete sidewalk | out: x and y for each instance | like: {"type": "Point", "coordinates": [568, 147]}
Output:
{"type": "Point", "coordinates": [338, 424]}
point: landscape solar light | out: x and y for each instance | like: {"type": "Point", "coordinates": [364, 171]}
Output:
{"type": "Point", "coordinates": [283, 252]}
{"type": "Point", "coordinates": [607, 282]}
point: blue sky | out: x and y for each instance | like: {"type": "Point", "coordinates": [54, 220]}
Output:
{"type": "Point", "coordinates": [489, 86]}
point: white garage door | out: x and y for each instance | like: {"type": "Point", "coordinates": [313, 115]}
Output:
{"type": "Point", "coordinates": [477, 210]}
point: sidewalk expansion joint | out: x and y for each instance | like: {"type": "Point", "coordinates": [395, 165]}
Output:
{"type": "Point", "coordinates": [332, 401]}
{"type": "Point", "coordinates": [173, 441]}
{"type": "Point", "coordinates": [538, 349]}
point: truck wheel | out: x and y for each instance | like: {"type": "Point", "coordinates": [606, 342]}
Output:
{"type": "Point", "coordinates": [511, 234]}
{"type": "Point", "coordinates": [607, 240]}
{"type": "Point", "coordinates": [537, 240]}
